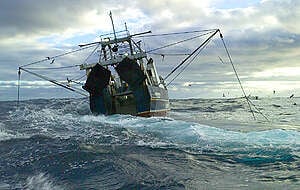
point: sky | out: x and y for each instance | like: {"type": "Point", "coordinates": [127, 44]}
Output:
{"type": "Point", "coordinates": [263, 37]}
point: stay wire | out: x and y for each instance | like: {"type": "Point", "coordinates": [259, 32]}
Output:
{"type": "Point", "coordinates": [75, 79]}
{"type": "Point", "coordinates": [19, 79]}
{"type": "Point", "coordinates": [54, 68]}
{"type": "Point", "coordinates": [199, 47]}
{"type": "Point", "coordinates": [78, 78]}
{"type": "Point", "coordinates": [240, 83]}
{"type": "Point", "coordinates": [182, 70]}
{"type": "Point", "coordinates": [73, 89]}
{"type": "Point", "coordinates": [51, 68]}
{"type": "Point", "coordinates": [258, 109]}
{"type": "Point", "coordinates": [178, 42]}
{"type": "Point", "coordinates": [238, 78]}
{"type": "Point", "coordinates": [91, 53]}
{"type": "Point", "coordinates": [60, 55]}
{"type": "Point", "coordinates": [170, 54]}
{"type": "Point", "coordinates": [177, 33]}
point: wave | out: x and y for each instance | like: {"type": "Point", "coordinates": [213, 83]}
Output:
{"type": "Point", "coordinates": [85, 165]}
{"type": "Point", "coordinates": [67, 118]}
{"type": "Point", "coordinates": [57, 144]}
{"type": "Point", "coordinates": [41, 181]}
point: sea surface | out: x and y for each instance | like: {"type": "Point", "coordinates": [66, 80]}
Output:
{"type": "Point", "coordinates": [201, 144]}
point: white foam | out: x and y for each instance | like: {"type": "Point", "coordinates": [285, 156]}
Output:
{"type": "Point", "coordinates": [50, 121]}
{"type": "Point", "coordinates": [41, 181]}
{"type": "Point", "coordinates": [275, 137]}
{"type": "Point", "coordinates": [4, 186]}
{"type": "Point", "coordinates": [5, 134]}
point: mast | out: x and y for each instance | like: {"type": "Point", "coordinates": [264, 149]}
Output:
{"type": "Point", "coordinates": [115, 48]}
{"type": "Point", "coordinates": [113, 26]}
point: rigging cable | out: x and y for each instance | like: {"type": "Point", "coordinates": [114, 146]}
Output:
{"type": "Point", "coordinates": [60, 55]}
{"type": "Point", "coordinates": [19, 78]}
{"type": "Point", "coordinates": [91, 53]}
{"type": "Point", "coordinates": [204, 45]}
{"type": "Point", "coordinates": [75, 79]}
{"type": "Point", "coordinates": [199, 47]}
{"type": "Point", "coordinates": [170, 54]}
{"type": "Point", "coordinates": [78, 78]}
{"type": "Point", "coordinates": [240, 83]}
{"type": "Point", "coordinates": [55, 82]}
{"type": "Point", "coordinates": [48, 79]}
{"type": "Point", "coordinates": [51, 68]}
{"type": "Point", "coordinates": [181, 41]}
{"type": "Point", "coordinates": [176, 33]}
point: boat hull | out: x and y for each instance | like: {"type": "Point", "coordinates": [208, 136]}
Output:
{"type": "Point", "coordinates": [145, 101]}
{"type": "Point", "coordinates": [154, 113]}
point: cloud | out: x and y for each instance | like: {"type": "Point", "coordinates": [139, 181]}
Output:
{"type": "Point", "coordinates": [262, 37]}
{"type": "Point", "coordinates": [30, 18]}
{"type": "Point", "coordinates": [33, 18]}
{"type": "Point", "coordinates": [279, 72]}
{"type": "Point", "coordinates": [287, 13]}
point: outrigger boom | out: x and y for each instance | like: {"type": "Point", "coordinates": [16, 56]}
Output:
{"type": "Point", "coordinates": [117, 40]}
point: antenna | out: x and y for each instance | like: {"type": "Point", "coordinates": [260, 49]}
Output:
{"type": "Point", "coordinates": [112, 22]}
{"type": "Point", "coordinates": [115, 48]}
{"type": "Point", "coordinates": [126, 29]}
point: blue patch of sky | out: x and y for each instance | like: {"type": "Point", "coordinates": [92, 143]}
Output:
{"type": "Point", "coordinates": [81, 39]}
{"type": "Point", "coordinates": [47, 39]}
{"type": "Point", "coordinates": [232, 4]}
{"type": "Point", "coordinates": [74, 40]}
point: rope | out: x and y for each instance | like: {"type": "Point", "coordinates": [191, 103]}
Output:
{"type": "Point", "coordinates": [240, 83]}
{"type": "Point", "coordinates": [76, 90]}
{"type": "Point", "coordinates": [191, 54]}
{"type": "Point", "coordinates": [170, 54]}
{"type": "Point", "coordinates": [175, 43]}
{"type": "Point", "coordinates": [50, 68]}
{"type": "Point", "coordinates": [257, 109]}
{"type": "Point", "coordinates": [78, 78]}
{"type": "Point", "coordinates": [91, 53]}
{"type": "Point", "coordinates": [75, 79]}
{"type": "Point", "coordinates": [237, 76]}
{"type": "Point", "coordinates": [176, 33]}
{"type": "Point", "coordinates": [73, 89]}
{"type": "Point", "coordinates": [60, 55]}
{"type": "Point", "coordinates": [53, 68]}
{"type": "Point", "coordinates": [70, 80]}
{"type": "Point", "coordinates": [19, 78]}
{"type": "Point", "coordinates": [189, 62]}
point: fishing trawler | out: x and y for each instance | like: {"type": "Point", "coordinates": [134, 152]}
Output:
{"type": "Point", "coordinates": [135, 87]}
{"type": "Point", "coordinates": [123, 79]}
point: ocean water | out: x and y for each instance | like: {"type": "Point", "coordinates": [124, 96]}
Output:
{"type": "Point", "coordinates": [201, 144]}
